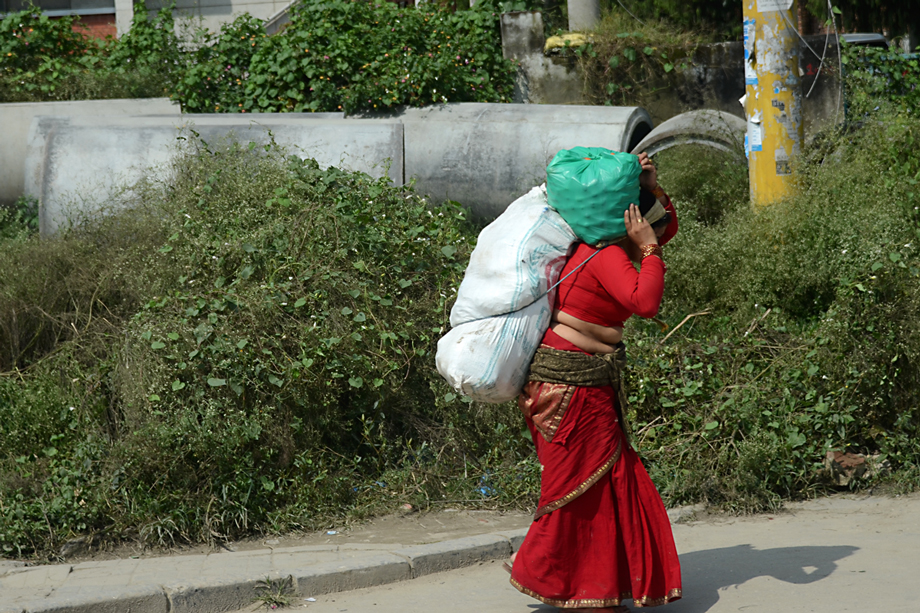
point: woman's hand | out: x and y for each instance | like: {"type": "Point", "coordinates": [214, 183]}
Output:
{"type": "Point", "coordinates": [637, 228]}
{"type": "Point", "coordinates": [648, 178]}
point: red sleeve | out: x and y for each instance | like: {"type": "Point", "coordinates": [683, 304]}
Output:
{"type": "Point", "coordinates": [639, 292]}
{"type": "Point", "coordinates": [672, 227]}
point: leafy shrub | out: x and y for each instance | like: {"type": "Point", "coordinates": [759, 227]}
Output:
{"type": "Point", "coordinates": [719, 18]}
{"type": "Point", "coordinates": [20, 220]}
{"type": "Point", "coordinates": [44, 59]}
{"type": "Point", "coordinates": [249, 348]}
{"type": "Point", "coordinates": [150, 49]}
{"type": "Point", "coordinates": [352, 56]}
{"type": "Point", "coordinates": [876, 78]}
{"type": "Point", "coordinates": [806, 341]}
{"type": "Point", "coordinates": [217, 73]}
{"type": "Point", "coordinates": [334, 55]}
{"type": "Point", "coordinates": [627, 62]}
{"type": "Point", "coordinates": [37, 52]}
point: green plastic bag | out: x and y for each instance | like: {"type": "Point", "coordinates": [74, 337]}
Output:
{"type": "Point", "coordinates": [591, 188]}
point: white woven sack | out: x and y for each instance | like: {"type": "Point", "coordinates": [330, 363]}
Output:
{"type": "Point", "coordinates": [517, 259]}
{"type": "Point", "coordinates": [503, 306]}
{"type": "Point", "coordinates": [488, 359]}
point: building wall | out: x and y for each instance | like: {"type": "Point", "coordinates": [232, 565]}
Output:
{"type": "Point", "coordinates": [212, 13]}
{"type": "Point", "coordinates": [97, 26]}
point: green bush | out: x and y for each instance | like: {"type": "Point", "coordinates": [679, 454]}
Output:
{"type": "Point", "coordinates": [806, 341]}
{"type": "Point", "coordinates": [333, 56]}
{"type": "Point", "coordinates": [248, 348]}
{"type": "Point", "coordinates": [43, 59]}
{"type": "Point", "coordinates": [20, 220]}
{"type": "Point", "coordinates": [721, 18]}
{"type": "Point", "coordinates": [37, 53]}
{"type": "Point", "coordinates": [627, 63]}
{"type": "Point", "coordinates": [217, 73]}
{"type": "Point", "coordinates": [880, 79]}
{"type": "Point", "coordinates": [354, 56]}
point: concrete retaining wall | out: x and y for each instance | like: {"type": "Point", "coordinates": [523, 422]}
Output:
{"type": "Point", "coordinates": [714, 81]}
{"type": "Point", "coordinates": [74, 164]}
{"type": "Point", "coordinates": [15, 119]}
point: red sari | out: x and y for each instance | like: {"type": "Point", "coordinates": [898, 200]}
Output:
{"type": "Point", "coordinates": [601, 534]}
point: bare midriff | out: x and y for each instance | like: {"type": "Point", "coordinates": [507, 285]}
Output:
{"type": "Point", "coordinates": [589, 337]}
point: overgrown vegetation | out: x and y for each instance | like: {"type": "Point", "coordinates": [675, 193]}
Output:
{"type": "Point", "coordinates": [880, 79]}
{"type": "Point", "coordinates": [247, 349]}
{"type": "Point", "coordinates": [804, 338]}
{"type": "Point", "coordinates": [627, 62]}
{"type": "Point", "coordinates": [333, 56]}
{"type": "Point", "coordinates": [720, 19]}
{"type": "Point", "coordinates": [44, 59]}
{"type": "Point", "coordinates": [248, 346]}
{"type": "Point", "coordinates": [19, 221]}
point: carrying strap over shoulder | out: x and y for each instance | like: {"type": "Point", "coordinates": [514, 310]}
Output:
{"type": "Point", "coordinates": [521, 308]}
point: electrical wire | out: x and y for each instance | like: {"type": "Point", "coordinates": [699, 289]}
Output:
{"type": "Point", "coordinates": [620, 2]}
{"type": "Point", "coordinates": [830, 9]}
{"type": "Point", "coordinates": [805, 42]}
{"type": "Point", "coordinates": [827, 37]}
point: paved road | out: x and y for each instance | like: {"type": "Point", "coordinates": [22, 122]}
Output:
{"type": "Point", "coordinates": [826, 556]}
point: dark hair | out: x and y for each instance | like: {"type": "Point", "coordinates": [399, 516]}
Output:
{"type": "Point", "coordinates": [646, 201]}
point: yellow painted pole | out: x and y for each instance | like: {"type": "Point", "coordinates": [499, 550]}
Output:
{"type": "Point", "coordinates": [773, 99]}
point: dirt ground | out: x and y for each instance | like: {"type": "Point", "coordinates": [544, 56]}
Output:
{"type": "Point", "coordinates": [409, 528]}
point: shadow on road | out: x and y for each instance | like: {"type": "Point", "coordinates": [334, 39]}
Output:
{"type": "Point", "coordinates": [704, 573]}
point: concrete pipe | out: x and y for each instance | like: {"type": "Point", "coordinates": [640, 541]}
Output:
{"type": "Point", "coordinates": [716, 129]}
{"type": "Point", "coordinates": [487, 155]}
{"type": "Point", "coordinates": [75, 165]}
{"type": "Point", "coordinates": [16, 118]}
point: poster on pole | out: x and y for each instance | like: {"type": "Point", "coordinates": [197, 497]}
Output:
{"type": "Point", "coordinates": [755, 136]}
{"type": "Point", "coordinates": [750, 31]}
{"type": "Point", "coordinates": [769, 6]}
{"type": "Point", "coordinates": [749, 34]}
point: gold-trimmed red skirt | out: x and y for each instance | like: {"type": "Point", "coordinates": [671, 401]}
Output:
{"type": "Point", "coordinates": [601, 534]}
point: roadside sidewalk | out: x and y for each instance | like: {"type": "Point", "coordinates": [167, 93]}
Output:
{"type": "Point", "coordinates": [224, 581]}
{"type": "Point", "coordinates": [842, 553]}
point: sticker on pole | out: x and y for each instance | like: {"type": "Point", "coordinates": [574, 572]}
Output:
{"type": "Point", "coordinates": [769, 6]}
{"type": "Point", "coordinates": [755, 136]}
{"type": "Point", "coordinates": [781, 158]}
{"type": "Point", "coordinates": [750, 73]}
{"type": "Point", "coordinates": [750, 32]}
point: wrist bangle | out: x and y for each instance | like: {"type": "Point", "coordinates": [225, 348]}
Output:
{"type": "Point", "coordinates": [648, 250]}
{"type": "Point", "coordinates": [659, 193]}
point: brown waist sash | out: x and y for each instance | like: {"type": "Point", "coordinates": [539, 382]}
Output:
{"type": "Point", "coordinates": [575, 368]}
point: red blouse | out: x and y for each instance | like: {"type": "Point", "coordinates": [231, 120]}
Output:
{"type": "Point", "coordinates": [608, 289]}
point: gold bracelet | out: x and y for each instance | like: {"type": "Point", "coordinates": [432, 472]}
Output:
{"type": "Point", "coordinates": [653, 249]}
{"type": "Point", "coordinates": [659, 193]}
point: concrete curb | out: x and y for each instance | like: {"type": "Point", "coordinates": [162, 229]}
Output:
{"type": "Point", "coordinates": [239, 590]}
{"type": "Point", "coordinates": [137, 599]}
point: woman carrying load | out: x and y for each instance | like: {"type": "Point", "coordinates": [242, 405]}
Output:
{"type": "Point", "coordinates": [601, 534]}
